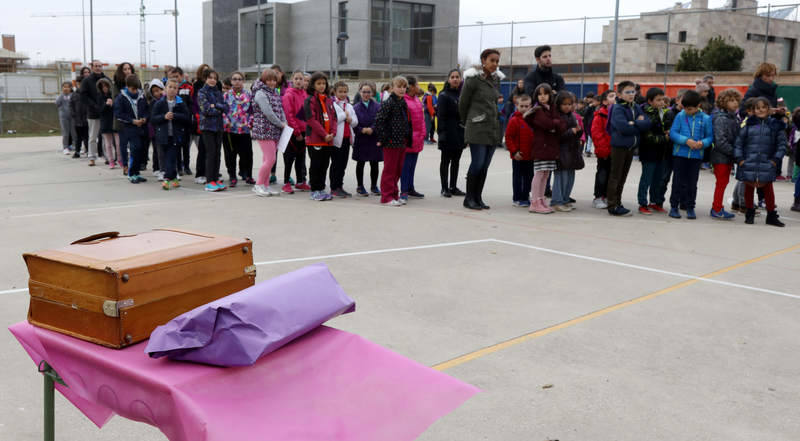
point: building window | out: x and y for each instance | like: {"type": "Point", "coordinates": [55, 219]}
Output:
{"type": "Point", "coordinates": [631, 39]}
{"type": "Point", "coordinates": [682, 37]}
{"type": "Point", "coordinates": [342, 28]}
{"type": "Point", "coordinates": [264, 40]}
{"type": "Point", "coordinates": [661, 36]}
{"type": "Point", "coordinates": [660, 67]}
{"type": "Point", "coordinates": [408, 47]}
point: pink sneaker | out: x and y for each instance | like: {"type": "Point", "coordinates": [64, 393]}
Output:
{"type": "Point", "coordinates": [302, 187]}
{"type": "Point", "coordinates": [287, 188]}
{"type": "Point", "coordinates": [112, 165]}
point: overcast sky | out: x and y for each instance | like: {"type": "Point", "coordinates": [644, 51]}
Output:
{"type": "Point", "coordinates": [117, 38]}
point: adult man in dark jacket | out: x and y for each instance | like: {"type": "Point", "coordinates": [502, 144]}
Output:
{"type": "Point", "coordinates": [89, 99]}
{"type": "Point", "coordinates": [543, 73]}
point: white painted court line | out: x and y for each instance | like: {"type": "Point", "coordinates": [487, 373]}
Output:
{"type": "Point", "coordinates": [648, 269]}
{"type": "Point", "coordinates": [13, 291]}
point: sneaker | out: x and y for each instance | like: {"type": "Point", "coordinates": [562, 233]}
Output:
{"type": "Point", "coordinates": [392, 203]}
{"type": "Point", "coordinates": [657, 208]}
{"type": "Point", "coordinates": [619, 211]}
{"type": "Point", "coordinates": [260, 190]}
{"type": "Point", "coordinates": [404, 196]}
{"type": "Point", "coordinates": [690, 214]}
{"type": "Point", "coordinates": [112, 166]}
{"type": "Point", "coordinates": [133, 180]}
{"type": "Point", "coordinates": [220, 185]}
{"type": "Point", "coordinates": [302, 187]}
{"type": "Point", "coordinates": [645, 211]}
{"type": "Point", "coordinates": [160, 176]}
{"type": "Point", "coordinates": [517, 204]}
{"type": "Point", "coordinates": [91, 163]}
{"type": "Point", "coordinates": [234, 181]}
{"type": "Point", "coordinates": [76, 155]}
{"type": "Point", "coordinates": [66, 151]}
{"type": "Point", "coordinates": [287, 188]}
{"type": "Point", "coordinates": [525, 203]}
{"type": "Point", "coordinates": [291, 181]}
{"type": "Point", "coordinates": [402, 201]}
{"type": "Point", "coordinates": [780, 178]}
{"type": "Point", "coordinates": [272, 191]}
{"type": "Point", "coordinates": [375, 190]}
{"type": "Point", "coordinates": [211, 186]}
{"type": "Point", "coordinates": [174, 183]}
{"type": "Point", "coordinates": [317, 196]}
{"type": "Point", "coordinates": [415, 194]}
{"type": "Point", "coordinates": [326, 196]}
{"type": "Point", "coordinates": [200, 180]}
{"type": "Point", "coordinates": [599, 203]}
{"type": "Point", "coordinates": [249, 181]}
{"type": "Point", "coordinates": [361, 191]}
{"type": "Point", "coordinates": [340, 193]}
{"type": "Point", "coordinates": [721, 214]}
{"type": "Point", "coordinates": [570, 206]}
{"type": "Point", "coordinates": [674, 213]}
{"type": "Point", "coordinates": [165, 185]}
{"type": "Point", "coordinates": [273, 179]}
{"type": "Point", "coordinates": [562, 208]}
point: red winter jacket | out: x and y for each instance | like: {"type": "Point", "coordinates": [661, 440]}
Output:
{"type": "Point", "coordinates": [547, 129]}
{"type": "Point", "coordinates": [292, 103]}
{"type": "Point", "coordinates": [519, 137]}
{"type": "Point", "coordinates": [316, 126]}
{"type": "Point", "coordinates": [600, 137]}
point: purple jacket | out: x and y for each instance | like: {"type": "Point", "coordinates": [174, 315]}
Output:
{"type": "Point", "coordinates": [364, 146]}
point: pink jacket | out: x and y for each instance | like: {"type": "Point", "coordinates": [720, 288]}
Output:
{"type": "Point", "coordinates": [292, 105]}
{"type": "Point", "coordinates": [417, 124]}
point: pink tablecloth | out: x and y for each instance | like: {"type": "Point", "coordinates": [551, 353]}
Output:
{"type": "Point", "coordinates": [328, 385]}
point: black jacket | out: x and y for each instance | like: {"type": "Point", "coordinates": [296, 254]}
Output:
{"type": "Point", "coordinates": [451, 131]}
{"type": "Point", "coordinates": [760, 143]}
{"type": "Point", "coordinates": [654, 143]}
{"type": "Point", "coordinates": [726, 129]}
{"type": "Point", "coordinates": [393, 124]}
{"type": "Point", "coordinates": [89, 93]}
{"type": "Point", "coordinates": [77, 110]}
{"type": "Point", "coordinates": [106, 112]}
{"type": "Point", "coordinates": [181, 122]}
{"type": "Point", "coordinates": [570, 153]}
{"type": "Point", "coordinates": [760, 88]}
{"type": "Point", "coordinates": [538, 76]}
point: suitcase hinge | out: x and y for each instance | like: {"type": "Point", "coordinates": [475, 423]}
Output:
{"type": "Point", "coordinates": [250, 270]}
{"type": "Point", "coordinates": [111, 308]}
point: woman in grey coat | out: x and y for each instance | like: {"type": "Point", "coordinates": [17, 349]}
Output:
{"type": "Point", "coordinates": [477, 108]}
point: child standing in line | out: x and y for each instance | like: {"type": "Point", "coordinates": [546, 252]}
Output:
{"type": "Point", "coordinates": [237, 121]}
{"type": "Point", "coordinates": [691, 134]}
{"type": "Point", "coordinates": [64, 118]}
{"type": "Point", "coordinates": [295, 153]}
{"type": "Point", "coordinates": [547, 126]}
{"type": "Point", "coordinates": [570, 154]}
{"type": "Point", "coordinates": [106, 103]}
{"type": "Point", "coordinates": [365, 146]}
{"type": "Point", "coordinates": [347, 119]}
{"type": "Point", "coordinates": [726, 129]}
{"type": "Point", "coordinates": [666, 167]}
{"type": "Point", "coordinates": [394, 132]}
{"type": "Point", "coordinates": [155, 90]}
{"type": "Point", "coordinates": [429, 103]}
{"type": "Point", "coordinates": [211, 106]}
{"type": "Point", "coordinates": [171, 120]}
{"type": "Point", "coordinates": [321, 126]}
{"type": "Point", "coordinates": [185, 91]}
{"type": "Point", "coordinates": [451, 134]}
{"type": "Point", "coordinates": [130, 109]}
{"type": "Point", "coordinates": [601, 141]}
{"type": "Point", "coordinates": [758, 150]}
{"type": "Point", "coordinates": [652, 152]}
{"type": "Point", "coordinates": [79, 116]}
{"type": "Point", "coordinates": [269, 121]}
{"type": "Point", "coordinates": [415, 112]}
{"type": "Point", "coordinates": [627, 124]}
{"type": "Point", "coordinates": [519, 140]}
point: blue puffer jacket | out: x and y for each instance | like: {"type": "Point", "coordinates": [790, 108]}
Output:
{"type": "Point", "coordinates": [181, 121]}
{"type": "Point", "coordinates": [685, 127]}
{"type": "Point", "coordinates": [624, 126]}
{"type": "Point", "coordinates": [211, 117]}
{"type": "Point", "coordinates": [761, 144]}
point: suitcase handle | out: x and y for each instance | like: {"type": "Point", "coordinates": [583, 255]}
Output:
{"type": "Point", "coordinates": [93, 237]}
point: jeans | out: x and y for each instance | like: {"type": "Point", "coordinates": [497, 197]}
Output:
{"type": "Point", "coordinates": [393, 160]}
{"type": "Point", "coordinates": [621, 159]}
{"type": "Point", "coordinates": [295, 154]}
{"type": "Point", "coordinates": [339, 159]}
{"type": "Point", "coordinates": [213, 145]}
{"type": "Point", "coordinates": [407, 175]}
{"type": "Point", "coordinates": [650, 180]}
{"type": "Point", "coordinates": [320, 159]}
{"type": "Point", "coordinates": [521, 178]}
{"type": "Point", "coordinates": [94, 132]}
{"type": "Point", "coordinates": [448, 165]}
{"type": "Point", "coordinates": [685, 173]}
{"type": "Point", "coordinates": [130, 138]}
{"type": "Point", "coordinates": [563, 182]}
{"type": "Point", "coordinates": [481, 158]}
{"type": "Point", "coordinates": [169, 158]}
{"type": "Point", "coordinates": [601, 177]}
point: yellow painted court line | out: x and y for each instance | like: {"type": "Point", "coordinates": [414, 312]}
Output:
{"type": "Point", "coordinates": [542, 332]}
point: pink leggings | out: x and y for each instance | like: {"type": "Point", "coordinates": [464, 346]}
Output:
{"type": "Point", "coordinates": [110, 143]}
{"type": "Point", "coordinates": [268, 149]}
{"type": "Point", "coordinates": [538, 184]}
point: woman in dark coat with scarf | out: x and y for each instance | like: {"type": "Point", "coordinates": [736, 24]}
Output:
{"type": "Point", "coordinates": [365, 146]}
{"type": "Point", "coordinates": [451, 134]}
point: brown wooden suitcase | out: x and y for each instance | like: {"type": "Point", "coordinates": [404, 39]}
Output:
{"type": "Point", "coordinates": [115, 290]}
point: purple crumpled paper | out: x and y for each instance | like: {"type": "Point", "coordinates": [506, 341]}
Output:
{"type": "Point", "coordinates": [239, 329]}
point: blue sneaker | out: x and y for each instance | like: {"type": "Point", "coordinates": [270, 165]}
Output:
{"type": "Point", "coordinates": [316, 196]}
{"type": "Point", "coordinates": [674, 213]}
{"type": "Point", "coordinates": [525, 203]}
{"type": "Point", "coordinates": [221, 186]}
{"type": "Point", "coordinates": [722, 214]}
{"type": "Point", "coordinates": [690, 214]}
{"type": "Point", "coordinates": [273, 179]}
{"type": "Point", "coordinates": [362, 191]}
{"type": "Point", "coordinates": [326, 196]}
{"type": "Point", "coordinates": [211, 186]}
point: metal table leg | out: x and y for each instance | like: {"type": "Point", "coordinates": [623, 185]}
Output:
{"type": "Point", "coordinates": [50, 378]}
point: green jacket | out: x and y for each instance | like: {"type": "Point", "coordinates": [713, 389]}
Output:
{"type": "Point", "coordinates": [477, 107]}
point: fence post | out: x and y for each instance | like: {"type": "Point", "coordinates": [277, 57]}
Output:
{"type": "Point", "coordinates": [511, 63]}
{"type": "Point", "coordinates": [766, 34]}
{"type": "Point", "coordinates": [666, 56]}
{"type": "Point", "coordinates": [583, 56]}
{"type": "Point", "coordinates": [614, 48]}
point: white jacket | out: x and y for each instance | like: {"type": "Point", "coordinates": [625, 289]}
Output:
{"type": "Point", "coordinates": [343, 110]}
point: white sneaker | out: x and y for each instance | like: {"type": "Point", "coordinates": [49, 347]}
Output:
{"type": "Point", "coordinates": [599, 203]}
{"type": "Point", "coordinates": [200, 180]}
{"type": "Point", "coordinates": [261, 190]}
{"type": "Point", "coordinates": [392, 203]}
{"type": "Point", "coordinates": [159, 175]}
{"type": "Point", "coordinates": [272, 191]}
{"type": "Point", "coordinates": [66, 151]}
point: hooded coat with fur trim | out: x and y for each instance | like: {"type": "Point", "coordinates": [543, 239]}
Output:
{"type": "Point", "coordinates": [477, 107]}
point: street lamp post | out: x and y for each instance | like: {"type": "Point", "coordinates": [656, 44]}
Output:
{"type": "Point", "coordinates": [481, 23]}
{"type": "Point", "coordinates": [150, 51]}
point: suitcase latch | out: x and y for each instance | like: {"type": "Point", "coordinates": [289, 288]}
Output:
{"type": "Point", "coordinates": [250, 270]}
{"type": "Point", "coordinates": [111, 308]}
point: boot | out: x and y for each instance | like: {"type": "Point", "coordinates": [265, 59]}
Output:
{"type": "Point", "coordinates": [469, 198]}
{"type": "Point", "coordinates": [772, 219]}
{"type": "Point", "coordinates": [750, 216]}
{"type": "Point", "coordinates": [479, 192]}
{"type": "Point", "coordinates": [796, 206]}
